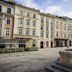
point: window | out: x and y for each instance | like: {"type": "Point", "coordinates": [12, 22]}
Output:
{"type": "Point", "coordinates": [28, 21]}
{"type": "Point", "coordinates": [33, 43]}
{"type": "Point", "coordinates": [34, 23]}
{"type": "Point", "coordinates": [42, 19]}
{"type": "Point", "coordinates": [28, 14]}
{"type": "Point", "coordinates": [34, 15]}
{"type": "Point", "coordinates": [20, 20]}
{"type": "Point", "coordinates": [51, 26]}
{"type": "Point", "coordinates": [8, 21]}
{"type": "Point", "coordinates": [0, 8]}
{"type": "Point", "coordinates": [46, 27]}
{"type": "Point", "coordinates": [33, 33]}
{"type": "Point", "coordinates": [61, 34]}
{"type": "Point", "coordinates": [42, 26]}
{"type": "Point", "coordinates": [64, 26]}
{"type": "Point", "coordinates": [46, 35]}
{"type": "Point", "coordinates": [57, 22]}
{"type": "Point", "coordinates": [56, 26]}
{"type": "Point", "coordinates": [42, 34]}
{"type": "Point", "coordinates": [20, 31]}
{"type": "Point", "coordinates": [65, 35]}
{"type": "Point", "coordinates": [51, 35]}
{"type": "Point", "coordinates": [7, 32]}
{"type": "Point", "coordinates": [47, 43]}
{"type": "Point", "coordinates": [0, 32]}
{"type": "Point", "coordinates": [0, 26]}
{"type": "Point", "coordinates": [9, 10]}
{"type": "Point", "coordinates": [57, 34]}
{"type": "Point", "coordinates": [61, 27]}
{"type": "Point", "coordinates": [27, 31]}
{"type": "Point", "coordinates": [21, 13]}
{"type": "Point", "coordinates": [46, 20]}
{"type": "Point", "coordinates": [0, 20]}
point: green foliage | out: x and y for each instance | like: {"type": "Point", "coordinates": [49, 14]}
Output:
{"type": "Point", "coordinates": [31, 49]}
{"type": "Point", "coordinates": [13, 50]}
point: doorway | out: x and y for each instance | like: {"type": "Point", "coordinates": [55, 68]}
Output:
{"type": "Point", "coordinates": [51, 44]}
{"type": "Point", "coordinates": [41, 44]}
{"type": "Point", "coordinates": [22, 44]}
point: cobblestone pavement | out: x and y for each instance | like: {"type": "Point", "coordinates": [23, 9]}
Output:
{"type": "Point", "coordinates": [34, 61]}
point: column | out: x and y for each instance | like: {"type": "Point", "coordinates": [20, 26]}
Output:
{"type": "Point", "coordinates": [49, 33]}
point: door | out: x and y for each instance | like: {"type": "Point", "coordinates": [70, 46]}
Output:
{"type": "Point", "coordinates": [41, 44]}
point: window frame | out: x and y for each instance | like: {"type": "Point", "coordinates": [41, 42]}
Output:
{"type": "Point", "coordinates": [7, 32]}
{"type": "Point", "coordinates": [8, 21]}
{"type": "Point", "coordinates": [9, 10]}
{"type": "Point", "coordinates": [20, 31]}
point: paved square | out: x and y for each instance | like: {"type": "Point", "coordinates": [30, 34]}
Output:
{"type": "Point", "coordinates": [28, 61]}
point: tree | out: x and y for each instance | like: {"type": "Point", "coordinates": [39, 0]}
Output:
{"type": "Point", "coordinates": [11, 1]}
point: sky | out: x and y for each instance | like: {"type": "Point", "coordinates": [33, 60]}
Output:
{"type": "Point", "coordinates": [55, 7]}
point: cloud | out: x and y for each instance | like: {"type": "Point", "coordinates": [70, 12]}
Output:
{"type": "Point", "coordinates": [57, 10]}
{"type": "Point", "coordinates": [69, 14]}
{"type": "Point", "coordinates": [65, 0]}
{"type": "Point", "coordinates": [53, 9]}
{"type": "Point", "coordinates": [28, 3]}
{"type": "Point", "coordinates": [49, 1]}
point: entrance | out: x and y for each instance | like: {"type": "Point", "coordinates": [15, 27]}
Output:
{"type": "Point", "coordinates": [51, 44]}
{"type": "Point", "coordinates": [41, 44]}
{"type": "Point", "coordinates": [69, 43]}
{"type": "Point", "coordinates": [22, 44]}
{"type": "Point", "coordinates": [2, 45]}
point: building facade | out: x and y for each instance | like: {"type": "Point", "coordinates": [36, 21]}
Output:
{"type": "Point", "coordinates": [61, 32]}
{"type": "Point", "coordinates": [21, 26]}
{"type": "Point", "coordinates": [6, 22]}
{"type": "Point", "coordinates": [26, 26]}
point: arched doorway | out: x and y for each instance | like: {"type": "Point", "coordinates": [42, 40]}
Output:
{"type": "Point", "coordinates": [41, 44]}
{"type": "Point", "coordinates": [51, 44]}
{"type": "Point", "coordinates": [69, 43]}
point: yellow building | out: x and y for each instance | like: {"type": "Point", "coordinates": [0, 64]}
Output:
{"type": "Point", "coordinates": [21, 26]}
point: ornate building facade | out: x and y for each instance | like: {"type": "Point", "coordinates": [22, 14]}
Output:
{"type": "Point", "coordinates": [21, 26]}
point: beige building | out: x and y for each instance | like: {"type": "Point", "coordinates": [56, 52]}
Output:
{"type": "Point", "coordinates": [26, 26]}
{"type": "Point", "coordinates": [61, 32]}
{"type": "Point", "coordinates": [46, 30]}
{"type": "Point", "coordinates": [69, 22]}
{"type": "Point", "coordinates": [22, 26]}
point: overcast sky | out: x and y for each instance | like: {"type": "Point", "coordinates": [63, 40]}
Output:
{"type": "Point", "coordinates": [56, 7]}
